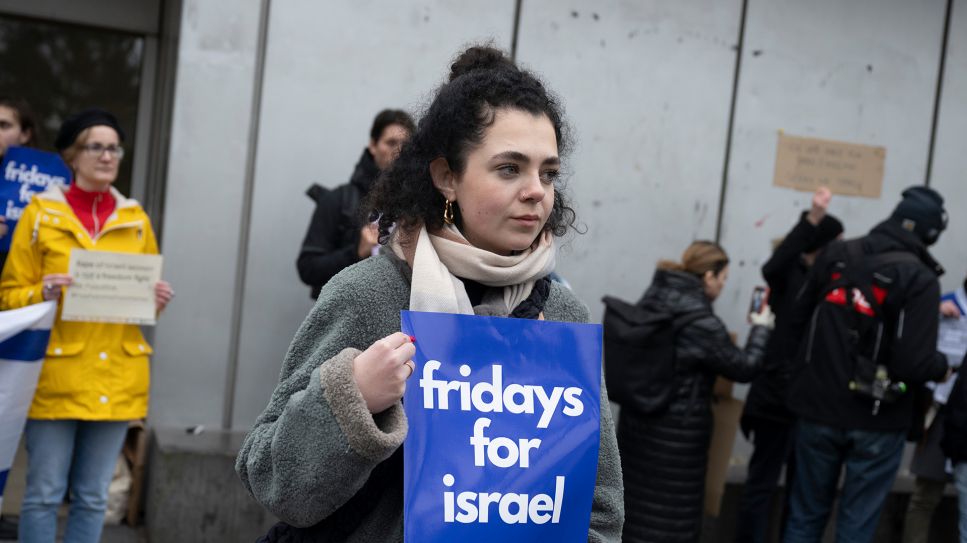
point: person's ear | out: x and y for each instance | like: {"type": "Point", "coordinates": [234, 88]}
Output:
{"type": "Point", "coordinates": [372, 147]}
{"type": "Point", "coordinates": [25, 136]}
{"type": "Point", "coordinates": [443, 178]}
{"type": "Point", "coordinates": [708, 277]}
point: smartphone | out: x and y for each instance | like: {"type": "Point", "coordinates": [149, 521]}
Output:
{"type": "Point", "coordinates": [760, 298]}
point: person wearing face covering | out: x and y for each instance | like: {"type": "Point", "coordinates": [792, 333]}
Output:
{"type": "Point", "coordinates": [847, 416]}
{"type": "Point", "coordinates": [95, 376]}
{"type": "Point", "coordinates": [474, 206]}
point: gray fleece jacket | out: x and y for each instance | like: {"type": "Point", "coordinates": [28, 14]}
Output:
{"type": "Point", "coordinates": [316, 453]}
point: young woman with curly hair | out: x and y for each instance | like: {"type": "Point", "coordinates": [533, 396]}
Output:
{"type": "Point", "coordinates": [474, 205]}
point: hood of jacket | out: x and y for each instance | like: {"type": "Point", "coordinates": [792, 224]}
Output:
{"type": "Point", "coordinates": [681, 292]}
{"type": "Point", "coordinates": [889, 236]}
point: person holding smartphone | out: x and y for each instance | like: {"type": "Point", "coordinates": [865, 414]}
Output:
{"type": "Point", "coordinates": [766, 419]}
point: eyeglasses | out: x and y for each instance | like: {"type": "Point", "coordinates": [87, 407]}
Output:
{"type": "Point", "coordinates": [95, 150]}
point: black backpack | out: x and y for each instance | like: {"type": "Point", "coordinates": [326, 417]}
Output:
{"type": "Point", "coordinates": [860, 293]}
{"type": "Point", "coordinates": [639, 353]}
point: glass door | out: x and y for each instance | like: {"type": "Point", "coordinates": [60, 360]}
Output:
{"type": "Point", "coordinates": [61, 68]}
{"type": "Point", "coordinates": [65, 55]}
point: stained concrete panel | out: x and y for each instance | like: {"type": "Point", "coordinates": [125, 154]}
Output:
{"type": "Point", "coordinates": [647, 88]}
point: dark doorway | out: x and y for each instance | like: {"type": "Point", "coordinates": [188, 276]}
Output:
{"type": "Point", "coordinates": [61, 68]}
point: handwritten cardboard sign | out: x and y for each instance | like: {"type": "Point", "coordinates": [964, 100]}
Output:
{"type": "Point", "coordinates": [849, 169]}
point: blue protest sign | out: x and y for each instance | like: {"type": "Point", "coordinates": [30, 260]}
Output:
{"type": "Point", "coordinates": [27, 171]}
{"type": "Point", "coordinates": [504, 418]}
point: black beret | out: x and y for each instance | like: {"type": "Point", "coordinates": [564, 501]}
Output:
{"type": "Point", "coordinates": [78, 122]}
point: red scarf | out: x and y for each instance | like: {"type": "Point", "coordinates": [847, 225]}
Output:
{"type": "Point", "coordinates": [91, 208]}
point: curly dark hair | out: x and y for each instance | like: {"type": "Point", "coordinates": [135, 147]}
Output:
{"type": "Point", "coordinates": [482, 80]}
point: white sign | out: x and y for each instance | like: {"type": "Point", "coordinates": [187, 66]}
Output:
{"type": "Point", "coordinates": [112, 287]}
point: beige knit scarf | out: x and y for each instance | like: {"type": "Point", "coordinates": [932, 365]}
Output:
{"type": "Point", "coordinates": [439, 258]}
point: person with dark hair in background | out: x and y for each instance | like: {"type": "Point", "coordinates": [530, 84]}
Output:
{"type": "Point", "coordinates": [17, 128]}
{"type": "Point", "coordinates": [664, 455]}
{"type": "Point", "coordinates": [868, 318]}
{"type": "Point", "coordinates": [338, 236]}
{"type": "Point", "coordinates": [474, 202]}
{"type": "Point", "coordinates": [766, 418]}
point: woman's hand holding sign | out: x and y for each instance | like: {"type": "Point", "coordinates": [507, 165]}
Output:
{"type": "Point", "coordinates": [381, 371]}
{"type": "Point", "coordinates": [163, 294]}
{"type": "Point", "coordinates": [53, 283]}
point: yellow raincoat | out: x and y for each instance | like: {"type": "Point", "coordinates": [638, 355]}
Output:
{"type": "Point", "coordinates": [93, 371]}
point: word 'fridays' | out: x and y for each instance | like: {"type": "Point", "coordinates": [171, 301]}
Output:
{"type": "Point", "coordinates": [500, 397]}
{"type": "Point", "coordinates": [514, 398]}
{"type": "Point", "coordinates": [19, 173]}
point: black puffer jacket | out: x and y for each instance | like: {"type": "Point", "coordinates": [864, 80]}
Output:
{"type": "Point", "coordinates": [664, 456]}
{"type": "Point", "coordinates": [332, 239]}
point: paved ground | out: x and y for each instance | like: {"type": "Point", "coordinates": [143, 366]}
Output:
{"type": "Point", "coordinates": [112, 534]}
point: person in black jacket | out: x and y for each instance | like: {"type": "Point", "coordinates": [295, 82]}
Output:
{"type": "Point", "coordinates": [954, 444]}
{"type": "Point", "coordinates": [337, 237]}
{"type": "Point", "coordinates": [664, 455]}
{"type": "Point", "coordinates": [837, 425]}
{"type": "Point", "coordinates": [766, 418]}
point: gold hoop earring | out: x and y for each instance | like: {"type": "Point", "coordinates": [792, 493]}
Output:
{"type": "Point", "coordinates": [448, 212]}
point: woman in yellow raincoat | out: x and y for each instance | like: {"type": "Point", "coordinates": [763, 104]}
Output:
{"type": "Point", "coordinates": [95, 375]}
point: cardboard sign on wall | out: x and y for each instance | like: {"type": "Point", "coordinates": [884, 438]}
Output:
{"type": "Point", "coordinates": [849, 169]}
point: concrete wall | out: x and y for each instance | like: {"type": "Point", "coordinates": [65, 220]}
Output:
{"type": "Point", "coordinates": [204, 203]}
{"type": "Point", "coordinates": [648, 87]}
{"type": "Point", "coordinates": [868, 76]}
